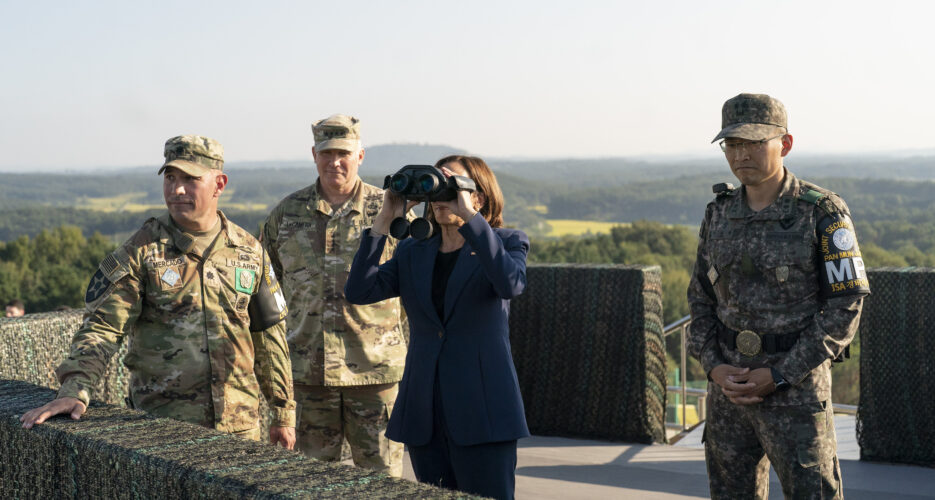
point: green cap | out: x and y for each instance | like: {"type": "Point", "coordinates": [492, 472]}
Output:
{"type": "Point", "coordinates": [753, 117]}
{"type": "Point", "coordinates": [193, 154]}
{"type": "Point", "coordinates": [337, 132]}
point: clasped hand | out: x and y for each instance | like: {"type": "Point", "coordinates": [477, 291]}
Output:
{"type": "Point", "coordinates": [742, 385]}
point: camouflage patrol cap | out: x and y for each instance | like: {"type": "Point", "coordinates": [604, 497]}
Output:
{"type": "Point", "coordinates": [754, 117]}
{"type": "Point", "coordinates": [193, 154]}
{"type": "Point", "coordinates": [337, 132]}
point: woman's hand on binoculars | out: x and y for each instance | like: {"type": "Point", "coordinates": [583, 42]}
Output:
{"type": "Point", "coordinates": [465, 201]}
{"type": "Point", "coordinates": [392, 208]}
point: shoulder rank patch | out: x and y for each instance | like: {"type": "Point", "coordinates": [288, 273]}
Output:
{"type": "Point", "coordinates": [828, 205]}
{"type": "Point", "coordinates": [821, 200]}
{"type": "Point", "coordinates": [841, 268]}
{"type": "Point", "coordinates": [811, 196]}
{"type": "Point", "coordinates": [722, 188]}
{"type": "Point", "coordinates": [114, 267]}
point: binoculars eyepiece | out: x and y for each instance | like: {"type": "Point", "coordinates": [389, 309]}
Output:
{"type": "Point", "coordinates": [423, 183]}
{"type": "Point", "coordinates": [426, 183]}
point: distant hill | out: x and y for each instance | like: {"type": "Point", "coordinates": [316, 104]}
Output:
{"type": "Point", "coordinates": [379, 160]}
{"type": "Point", "coordinates": [387, 158]}
{"type": "Point", "coordinates": [675, 191]}
{"type": "Point", "coordinates": [598, 171]}
{"type": "Point", "coordinates": [683, 200]}
{"type": "Point", "coordinates": [919, 167]}
{"type": "Point", "coordinates": [604, 172]}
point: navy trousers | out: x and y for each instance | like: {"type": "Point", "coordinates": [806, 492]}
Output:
{"type": "Point", "coordinates": [487, 469]}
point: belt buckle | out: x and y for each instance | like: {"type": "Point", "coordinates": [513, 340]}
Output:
{"type": "Point", "coordinates": [749, 343]}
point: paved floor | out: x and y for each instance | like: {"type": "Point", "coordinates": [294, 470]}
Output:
{"type": "Point", "coordinates": [560, 468]}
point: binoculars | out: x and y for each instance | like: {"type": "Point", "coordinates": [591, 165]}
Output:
{"type": "Point", "coordinates": [422, 183]}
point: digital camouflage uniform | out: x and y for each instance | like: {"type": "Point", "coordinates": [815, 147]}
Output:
{"type": "Point", "coordinates": [793, 268]}
{"type": "Point", "coordinates": [188, 312]}
{"type": "Point", "coordinates": [347, 359]}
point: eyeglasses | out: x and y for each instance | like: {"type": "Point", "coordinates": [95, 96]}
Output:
{"type": "Point", "coordinates": [738, 145]}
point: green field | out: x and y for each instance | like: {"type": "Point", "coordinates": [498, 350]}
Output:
{"type": "Point", "coordinates": [129, 202]}
{"type": "Point", "coordinates": [124, 202]}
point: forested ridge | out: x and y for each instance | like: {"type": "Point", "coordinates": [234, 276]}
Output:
{"type": "Point", "coordinates": [55, 229]}
{"type": "Point", "coordinates": [906, 205]}
{"type": "Point", "coordinates": [895, 219]}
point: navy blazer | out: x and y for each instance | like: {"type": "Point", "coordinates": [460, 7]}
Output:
{"type": "Point", "coordinates": [470, 346]}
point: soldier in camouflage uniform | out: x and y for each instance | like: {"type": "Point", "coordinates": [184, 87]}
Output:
{"type": "Point", "coordinates": [775, 296]}
{"type": "Point", "coordinates": [347, 359]}
{"type": "Point", "coordinates": [200, 307]}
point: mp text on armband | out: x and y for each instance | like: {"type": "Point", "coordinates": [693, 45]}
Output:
{"type": "Point", "coordinates": [841, 267]}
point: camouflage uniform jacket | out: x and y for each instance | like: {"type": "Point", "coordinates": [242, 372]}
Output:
{"type": "Point", "coordinates": [761, 271]}
{"type": "Point", "coordinates": [191, 354]}
{"type": "Point", "coordinates": [333, 342]}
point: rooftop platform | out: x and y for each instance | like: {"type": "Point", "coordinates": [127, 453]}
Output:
{"type": "Point", "coordinates": [560, 468]}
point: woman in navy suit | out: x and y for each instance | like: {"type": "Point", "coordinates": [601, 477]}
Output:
{"type": "Point", "coordinates": [459, 408]}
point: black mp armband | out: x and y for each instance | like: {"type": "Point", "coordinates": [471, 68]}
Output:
{"type": "Point", "coordinates": [841, 268]}
{"type": "Point", "coordinates": [267, 306]}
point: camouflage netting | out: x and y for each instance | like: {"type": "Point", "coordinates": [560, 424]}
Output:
{"type": "Point", "coordinates": [897, 375]}
{"type": "Point", "coordinates": [116, 452]}
{"type": "Point", "coordinates": [32, 346]}
{"type": "Point", "coordinates": [589, 351]}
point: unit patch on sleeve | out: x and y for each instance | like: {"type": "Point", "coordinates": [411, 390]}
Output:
{"type": "Point", "coordinates": [96, 288]}
{"type": "Point", "coordinates": [111, 270]}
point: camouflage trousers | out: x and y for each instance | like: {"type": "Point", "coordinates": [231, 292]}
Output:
{"type": "Point", "coordinates": [798, 440]}
{"type": "Point", "coordinates": [328, 415]}
{"type": "Point", "coordinates": [252, 434]}
{"type": "Point", "coordinates": [249, 434]}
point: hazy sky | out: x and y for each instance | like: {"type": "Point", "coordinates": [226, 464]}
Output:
{"type": "Point", "coordinates": [105, 83]}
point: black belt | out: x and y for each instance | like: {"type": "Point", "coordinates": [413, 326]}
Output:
{"type": "Point", "coordinates": [770, 344]}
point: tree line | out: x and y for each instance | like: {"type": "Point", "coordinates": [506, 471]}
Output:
{"type": "Point", "coordinates": [51, 267]}
{"type": "Point", "coordinates": [674, 248]}
{"type": "Point", "coordinates": [30, 203]}
{"type": "Point", "coordinates": [51, 270]}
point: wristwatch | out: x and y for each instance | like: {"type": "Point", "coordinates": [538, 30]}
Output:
{"type": "Point", "coordinates": [778, 381]}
